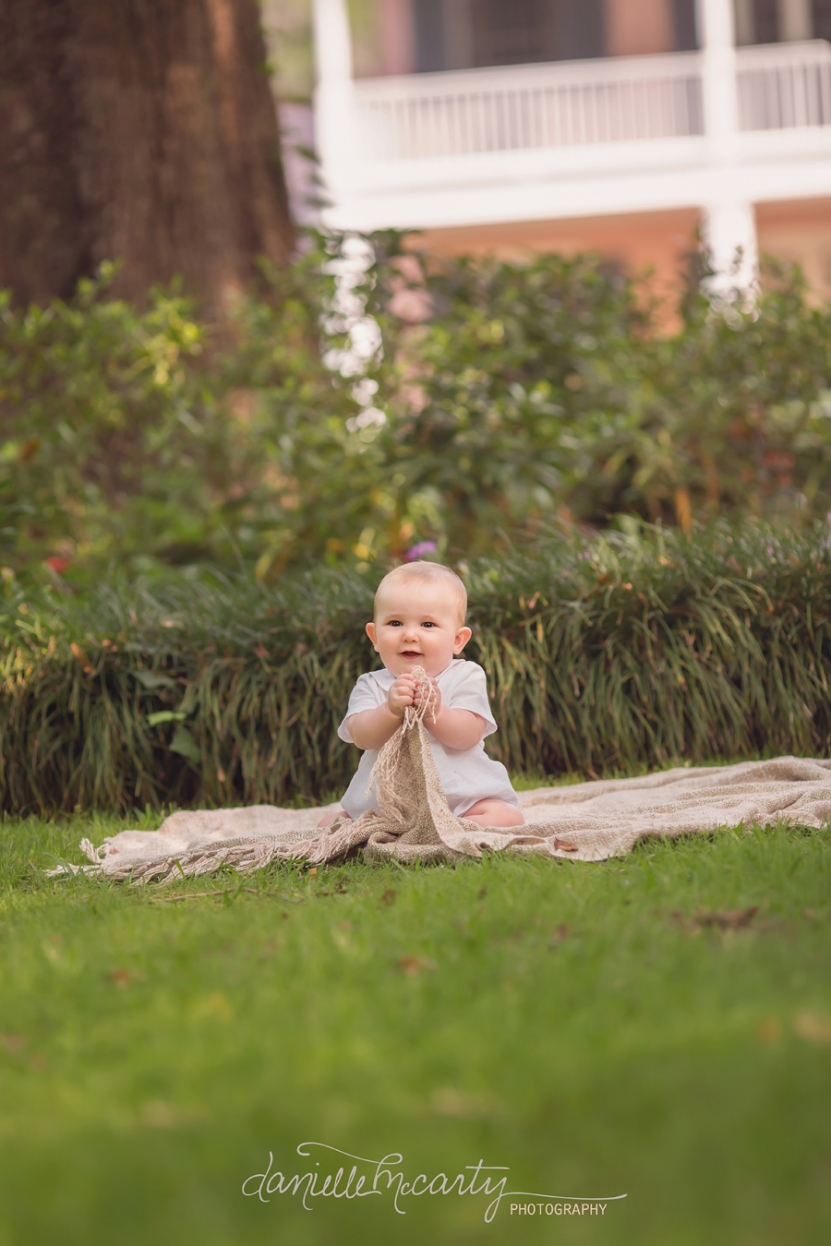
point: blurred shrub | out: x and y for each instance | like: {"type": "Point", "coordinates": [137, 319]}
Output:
{"type": "Point", "coordinates": [501, 396]}
{"type": "Point", "coordinates": [555, 386]}
{"type": "Point", "coordinates": [624, 651]}
{"type": "Point", "coordinates": [152, 439]}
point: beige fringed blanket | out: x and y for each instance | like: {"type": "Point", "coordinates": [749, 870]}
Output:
{"type": "Point", "coordinates": [585, 822]}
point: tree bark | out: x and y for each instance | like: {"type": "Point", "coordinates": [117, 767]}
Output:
{"type": "Point", "coordinates": [141, 131]}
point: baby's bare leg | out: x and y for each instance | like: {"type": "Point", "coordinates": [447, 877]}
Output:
{"type": "Point", "coordinates": [494, 812]}
{"type": "Point", "coordinates": [329, 818]}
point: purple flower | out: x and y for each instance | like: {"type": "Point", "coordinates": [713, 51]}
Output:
{"type": "Point", "coordinates": [418, 551]}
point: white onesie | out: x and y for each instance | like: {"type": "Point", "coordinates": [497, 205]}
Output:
{"type": "Point", "coordinates": [466, 774]}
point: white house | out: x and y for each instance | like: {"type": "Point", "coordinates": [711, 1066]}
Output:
{"type": "Point", "coordinates": [614, 125]}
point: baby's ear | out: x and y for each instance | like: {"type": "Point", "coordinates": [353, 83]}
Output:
{"type": "Point", "coordinates": [370, 631]}
{"type": "Point", "coordinates": [462, 637]}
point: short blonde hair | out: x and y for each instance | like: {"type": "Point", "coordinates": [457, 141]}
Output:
{"type": "Point", "coordinates": [433, 572]}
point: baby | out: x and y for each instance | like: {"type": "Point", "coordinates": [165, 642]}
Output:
{"type": "Point", "coordinates": [420, 621]}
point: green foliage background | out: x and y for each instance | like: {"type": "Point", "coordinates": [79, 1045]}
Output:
{"type": "Point", "coordinates": [499, 396]}
{"type": "Point", "coordinates": [193, 517]}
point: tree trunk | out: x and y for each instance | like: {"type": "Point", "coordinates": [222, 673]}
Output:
{"type": "Point", "coordinates": [142, 131]}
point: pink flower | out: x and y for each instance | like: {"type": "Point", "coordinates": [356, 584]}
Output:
{"type": "Point", "coordinates": [418, 551]}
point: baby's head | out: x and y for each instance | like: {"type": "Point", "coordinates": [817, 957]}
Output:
{"type": "Point", "coordinates": [419, 618]}
{"type": "Point", "coordinates": [426, 583]}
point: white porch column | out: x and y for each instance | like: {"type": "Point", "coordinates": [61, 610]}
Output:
{"type": "Point", "coordinates": [728, 216]}
{"type": "Point", "coordinates": [334, 99]}
{"type": "Point", "coordinates": [796, 20]}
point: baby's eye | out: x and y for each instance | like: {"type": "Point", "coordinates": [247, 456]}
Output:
{"type": "Point", "coordinates": [428, 625]}
{"type": "Point", "coordinates": [394, 623]}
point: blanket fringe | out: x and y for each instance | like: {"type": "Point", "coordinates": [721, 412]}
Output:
{"type": "Point", "coordinates": [589, 822]}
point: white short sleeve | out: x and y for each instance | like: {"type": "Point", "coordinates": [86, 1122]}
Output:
{"type": "Point", "coordinates": [367, 694]}
{"type": "Point", "coordinates": [464, 686]}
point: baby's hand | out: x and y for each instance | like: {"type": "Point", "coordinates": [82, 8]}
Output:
{"type": "Point", "coordinates": [401, 695]}
{"type": "Point", "coordinates": [432, 696]}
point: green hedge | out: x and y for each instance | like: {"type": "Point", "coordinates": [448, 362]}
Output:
{"type": "Point", "coordinates": [622, 652]}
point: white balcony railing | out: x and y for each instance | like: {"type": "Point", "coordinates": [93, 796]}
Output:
{"type": "Point", "coordinates": [580, 103]}
{"type": "Point", "coordinates": [784, 86]}
{"type": "Point", "coordinates": [530, 106]}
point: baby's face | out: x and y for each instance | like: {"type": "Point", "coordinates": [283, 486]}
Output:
{"type": "Point", "coordinates": [417, 625]}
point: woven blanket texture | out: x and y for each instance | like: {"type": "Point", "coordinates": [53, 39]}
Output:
{"type": "Point", "coordinates": [583, 822]}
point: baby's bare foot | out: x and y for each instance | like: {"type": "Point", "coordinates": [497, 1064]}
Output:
{"type": "Point", "coordinates": [329, 818]}
{"type": "Point", "coordinates": [493, 812]}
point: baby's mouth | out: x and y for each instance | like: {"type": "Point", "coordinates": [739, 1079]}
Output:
{"type": "Point", "coordinates": [411, 653]}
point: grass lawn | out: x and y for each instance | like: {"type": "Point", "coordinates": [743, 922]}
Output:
{"type": "Point", "coordinates": [623, 1028]}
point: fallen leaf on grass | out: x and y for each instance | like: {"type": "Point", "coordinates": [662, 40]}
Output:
{"type": "Point", "coordinates": [14, 1044]}
{"type": "Point", "coordinates": [561, 933]}
{"type": "Point", "coordinates": [413, 965]}
{"type": "Point", "coordinates": [815, 1029]}
{"type": "Point", "coordinates": [729, 919]}
{"type": "Point", "coordinates": [388, 897]}
{"type": "Point", "coordinates": [122, 977]}
{"type": "Point", "coordinates": [769, 1030]}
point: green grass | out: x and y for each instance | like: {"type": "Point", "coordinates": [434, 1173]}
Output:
{"type": "Point", "coordinates": [573, 1022]}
